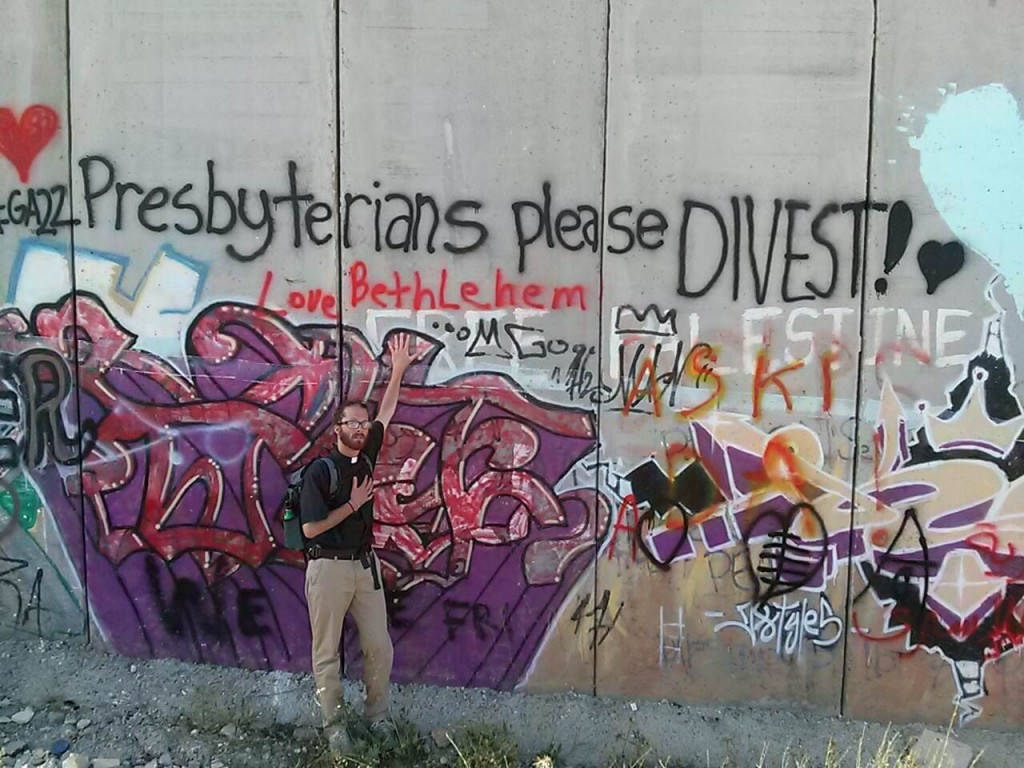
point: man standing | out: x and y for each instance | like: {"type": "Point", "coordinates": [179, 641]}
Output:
{"type": "Point", "coordinates": [342, 572]}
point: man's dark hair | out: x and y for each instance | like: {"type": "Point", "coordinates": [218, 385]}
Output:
{"type": "Point", "coordinates": [339, 415]}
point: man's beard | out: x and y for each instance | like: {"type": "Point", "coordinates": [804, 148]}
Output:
{"type": "Point", "coordinates": [355, 442]}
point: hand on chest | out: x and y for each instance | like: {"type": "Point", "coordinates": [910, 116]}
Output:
{"type": "Point", "coordinates": [352, 471]}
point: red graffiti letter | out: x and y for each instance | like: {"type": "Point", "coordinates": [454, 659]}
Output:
{"type": "Point", "coordinates": [359, 285]}
{"type": "Point", "coordinates": [762, 377]}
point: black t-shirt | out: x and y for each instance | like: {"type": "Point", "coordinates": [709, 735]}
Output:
{"type": "Point", "coordinates": [316, 503]}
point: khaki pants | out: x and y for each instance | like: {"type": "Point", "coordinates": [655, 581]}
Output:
{"type": "Point", "coordinates": [333, 588]}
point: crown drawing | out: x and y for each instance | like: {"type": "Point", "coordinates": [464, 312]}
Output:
{"type": "Point", "coordinates": [971, 427]}
{"type": "Point", "coordinates": [649, 321]}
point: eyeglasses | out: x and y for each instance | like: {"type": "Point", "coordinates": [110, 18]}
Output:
{"type": "Point", "coordinates": [353, 424]}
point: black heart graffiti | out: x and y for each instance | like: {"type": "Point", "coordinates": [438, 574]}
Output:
{"type": "Point", "coordinates": [939, 262]}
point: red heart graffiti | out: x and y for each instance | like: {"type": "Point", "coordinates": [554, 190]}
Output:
{"type": "Point", "coordinates": [21, 141]}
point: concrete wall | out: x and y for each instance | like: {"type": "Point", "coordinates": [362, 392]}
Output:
{"type": "Point", "coordinates": [719, 311]}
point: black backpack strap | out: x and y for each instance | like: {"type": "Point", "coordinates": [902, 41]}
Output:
{"type": "Point", "coordinates": [333, 469]}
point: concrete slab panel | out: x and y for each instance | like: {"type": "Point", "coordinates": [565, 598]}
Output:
{"type": "Point", "coordinates": [204, 176]}
{"type": "Point", "coordinates": [40, 592]}
{"type": "Point", "coordinates": [737, 142]}
{"type": "Point", "coordinates": [471, 177]}
{"type": "Point", "coordinates": [937, 616]}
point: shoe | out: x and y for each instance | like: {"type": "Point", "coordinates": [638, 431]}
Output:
{"type": "Point", "coordinates": [383, 729]}
{"type": "Point", "coordinates": [338, 740]}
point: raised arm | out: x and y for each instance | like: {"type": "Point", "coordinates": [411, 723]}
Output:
{"type": "Point", "coordinates": [401, 359]}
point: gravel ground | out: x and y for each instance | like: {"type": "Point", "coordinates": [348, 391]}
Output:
{"type": "Point", "coordinates": [116, 711]}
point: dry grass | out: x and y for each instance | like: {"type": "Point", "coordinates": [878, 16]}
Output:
{"type": "Point", "coordinates": [485, 746]}
{"type": "Point", "coordinates": [892, 751]}
{"type": "Point", "coordinates": [473, 746]}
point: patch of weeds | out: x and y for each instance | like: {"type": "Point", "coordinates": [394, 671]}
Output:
{"type": "Point", "coordinates": [485, 746]}
{"type": "Point", "coordinates": [404, 748]}
{"type": "Point", "coordinates": [892, 751]}
{"type": "Point", "coordinates": [548, 758]}
{"type": "Point", "coordinates": [636, 754]}
{"type": "Point", "coordinates": [320, 757]}
{"type": "Point", "coordinates": [207, 712]}
{"type": "Point", "coordinates": [475, 746]}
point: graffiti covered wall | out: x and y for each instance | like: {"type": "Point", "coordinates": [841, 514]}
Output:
{"type": "Point", "coordinates": [718, 308]}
